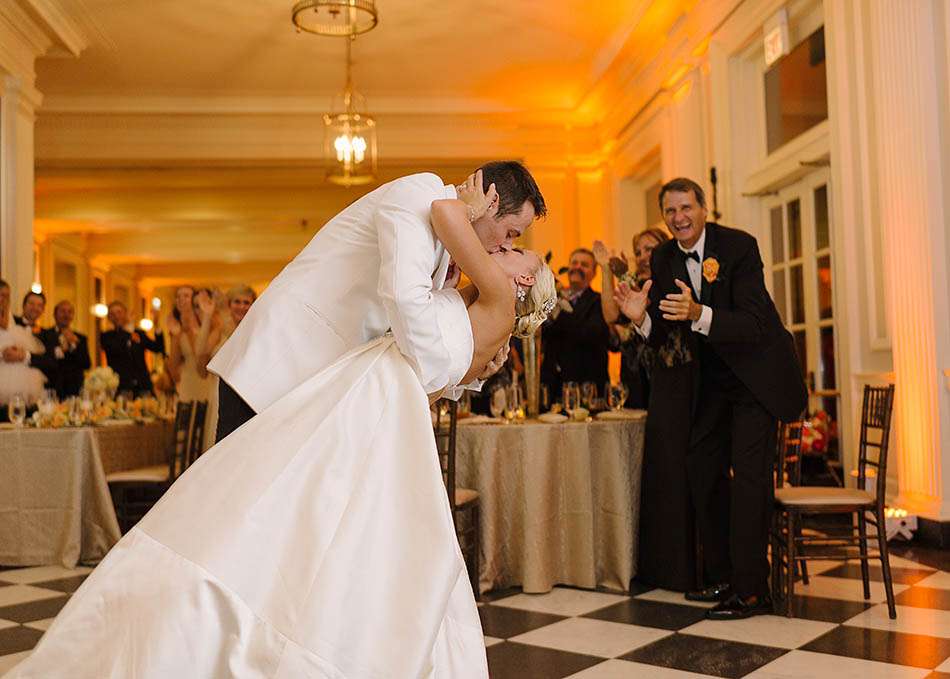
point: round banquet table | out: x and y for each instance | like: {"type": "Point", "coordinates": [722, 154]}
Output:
{"type": "Point", "coordinates": [559, 503]}
{"type": "Point", "coordinates": [55, 506]}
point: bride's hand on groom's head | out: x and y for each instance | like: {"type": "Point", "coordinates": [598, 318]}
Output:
{"type": "Point", "coordinates": [497, 362]}
{"type": "Point", "coordinates": [471, 193]}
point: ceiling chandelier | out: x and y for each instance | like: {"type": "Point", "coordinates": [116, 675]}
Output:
{"type": "Point", "coordinates": [349, 131]}
{"type": "Point", "coordinates": [335, 18]}
{"type": "Point", "coordinates": [350, 135]}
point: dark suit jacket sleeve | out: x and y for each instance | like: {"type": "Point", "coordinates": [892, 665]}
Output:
{"type": "Point", "coordinates": [45, 362]}
{"type": "Point", "coordinates": [659, 327]}
{"type": "Point", "coordinates": [156, 345]}
{"type": "Point", "coordinates": [747, 320]}
{"type": "Point", "coordinates": [591, 330]}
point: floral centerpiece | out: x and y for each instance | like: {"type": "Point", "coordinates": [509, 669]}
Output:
{"type": "Point", "coordinates": [817, 433]}
{"type": "Point", "coordinates": [101, 380]}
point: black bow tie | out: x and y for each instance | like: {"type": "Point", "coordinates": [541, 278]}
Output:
{"type": "Point", "coordinates": [692, 254]}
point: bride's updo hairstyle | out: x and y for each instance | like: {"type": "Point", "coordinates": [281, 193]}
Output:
{"type": "Point", "coordinates": [534, 304]}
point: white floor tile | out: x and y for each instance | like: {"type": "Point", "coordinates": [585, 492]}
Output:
{"type": "Point", "coordinates": [808, 665]}
{"type": "Point", "coordinates": [622, 669]}
{"type": "Point", "coordinates": [939, 580]}
{"type": "Point", "coordinates": [764, 630]}
{"type": "Point", "coordinates": [561, 601]}
{"type": "Point", "coordinates": [491, 641]}
{"type": "Point", "coordinates": [27, 576]}
{"type": "Point", "coordinates": [910, 619]}
{"type": "Point", "coordinates": [844, 588]}
{"type": "Point", "coordinates": [943, 667]}
{"type": "Point", "coordinates": [41, 625]}
{"type": "Point", "coordinates": [4, 624]}
{"type": "Point", "coordinates": [19, 594]}
{"type": "Point", "coordinates": [8, 662]}
{"type": "Point", "coordinates": [667, 597]}
{"type": "Point", "coordinates": [592, 637]}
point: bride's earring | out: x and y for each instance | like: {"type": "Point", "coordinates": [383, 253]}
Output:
{"type": "Point", "coordinates": [521, 294]}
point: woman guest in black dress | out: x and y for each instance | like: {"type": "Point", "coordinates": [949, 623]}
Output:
{"type": "Point", "coordinates": [660, 381]}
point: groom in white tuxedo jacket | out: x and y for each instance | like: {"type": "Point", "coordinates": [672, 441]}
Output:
{"type": "Point", "coordinates": [370, 269]}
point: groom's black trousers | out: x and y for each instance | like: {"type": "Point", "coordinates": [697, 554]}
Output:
{"type": "Point", "coordinates": [732, 431]}
{"type": "Point", "coordinates": [233, 411]}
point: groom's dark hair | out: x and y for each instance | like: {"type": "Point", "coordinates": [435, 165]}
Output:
{"type": "Point", "coordinates": [515, 185]}
{"type": "Point", "coordinates": [683, 185]}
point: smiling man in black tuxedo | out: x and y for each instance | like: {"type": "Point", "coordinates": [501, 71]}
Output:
{"type": "Point", "coordinates": [707, 284]}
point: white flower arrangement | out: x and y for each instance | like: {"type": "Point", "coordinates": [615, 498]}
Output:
{"type": "Point", "coordinates": [101, 379]}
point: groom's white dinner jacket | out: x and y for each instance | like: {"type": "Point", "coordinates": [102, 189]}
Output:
{"type": "Point", "coordinates": [371, 268]}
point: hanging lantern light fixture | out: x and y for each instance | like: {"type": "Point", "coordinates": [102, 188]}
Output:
{"type": "Point", "coordinates": [350, 135]}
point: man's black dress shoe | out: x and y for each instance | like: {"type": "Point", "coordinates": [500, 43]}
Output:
{"type": "Point", "coordinates": [737, 608]}
{"type": "Point", "coordinates": [711, 594]}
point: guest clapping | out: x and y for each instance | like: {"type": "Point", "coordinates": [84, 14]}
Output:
{"type": "Point", "coordinates": [67, 350]}
{"type": "Point", "coordinates": [125, 348]}
{"type": "Point", "coordinates": [575, 344]}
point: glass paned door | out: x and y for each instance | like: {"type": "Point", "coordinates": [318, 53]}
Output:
{"type": "Point", "coordinates": [801, 261]}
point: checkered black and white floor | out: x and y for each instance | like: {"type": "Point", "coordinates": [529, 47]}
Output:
{"type": "Point", "coordinates": [653, 633]}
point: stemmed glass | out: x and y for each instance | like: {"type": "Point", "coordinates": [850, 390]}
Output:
{"type": "Point", "coordinates": [571, 396]}
{"type": "Point", "coordinates": [514, 403]}
{"type": "Point", "coordinates": [16, 410]}
{"type": "Point", "coordinates": [497, 402]}
{"type": "Point", "coordinates": [588, 395]}
{"type": "Point", "coordinates": [616, 395]}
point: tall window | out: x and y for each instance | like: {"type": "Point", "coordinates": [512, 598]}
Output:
{"type": "Point", "coordinates": [796, 92]}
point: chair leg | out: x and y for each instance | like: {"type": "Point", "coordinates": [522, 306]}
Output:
{"type": "Point", "coordinates": [790, 569]}
{"type": "Point", "coordinates": [863, 550]}
{"type": "Point", "coordinates": [886, 565]}
{"type": "Point", "coordinates": [476, 549]}
{"type": "Point", "coordinates": [775, 557]}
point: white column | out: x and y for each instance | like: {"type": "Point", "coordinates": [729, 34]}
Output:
{"type": "Point", "coordinates": [911, 168]}
{"type": "Point", "coordinates": [16, 196]}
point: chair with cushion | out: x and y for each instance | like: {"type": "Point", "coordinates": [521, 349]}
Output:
{"type": "Point", "coordinates": [791, 503]}
{"type": "Point", "coordinates": [463, 501]}
{"type": "Point", "coordinates": [196, 441]}
{"type": "Point", "coordinates": [135, 491]}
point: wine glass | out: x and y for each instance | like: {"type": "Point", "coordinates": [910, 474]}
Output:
{"type": "Point", "coordinates": [571, 396]}
{"type": "Point", "coordinates": [497, 402]}
{"type": "Point", "coordinates": [544, 398]}
{"type": "Point", "coordinates": [47, 402]}
{"type": "Point", "coordinates": [616, 395]}
{"type": "Point", "coordinates": [16, 410]}
{"type": "Point", "coordinates": [588, 395]}
{"type": "Point", "coordinates": [514, 403]}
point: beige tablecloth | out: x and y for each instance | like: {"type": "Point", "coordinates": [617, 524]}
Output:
{"type": "Point", "coordinates": [55, 506]}
{"type": "Point", "coordinates": [560, 503]}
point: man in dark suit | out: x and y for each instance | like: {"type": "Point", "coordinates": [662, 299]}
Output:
{"type": "Point", "coordinates": [575, 343]}
{"type": "Point", "coordinates": [707, 285]}
{"type": "Point", "coordinates": [34, 304]}
{"type": "Point", "coordinates": [68, 352]}
{"type": "Point", "coordinates": [125, 348]}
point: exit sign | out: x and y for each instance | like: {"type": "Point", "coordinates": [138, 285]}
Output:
{"type": "Point", "coordinates": [775, 37]}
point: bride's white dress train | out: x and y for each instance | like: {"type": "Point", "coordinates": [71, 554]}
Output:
{"type": "Point", "coordinates": [315, 541]}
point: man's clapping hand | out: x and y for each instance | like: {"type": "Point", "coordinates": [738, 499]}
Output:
{"type": "Point", "coordinates": [14, 354]}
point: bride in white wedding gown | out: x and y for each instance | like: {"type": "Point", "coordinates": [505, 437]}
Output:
{"type": "Point", "coordinates": [316, 540]}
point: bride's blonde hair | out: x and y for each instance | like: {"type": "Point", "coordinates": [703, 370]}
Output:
{"type": "Point", "coordinates": [539, 300]}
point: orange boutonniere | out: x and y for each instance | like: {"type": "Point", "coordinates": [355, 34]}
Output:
{"type": "Point", "coordinates": [710, 269]}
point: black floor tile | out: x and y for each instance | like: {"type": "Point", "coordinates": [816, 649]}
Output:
{"type": "Point", "coordinates": [521, 661]}
{"type": "Point", "coordinates": [17, 639]}
{"type": "Point", "coordinates": [66, 585]}
{"type": "Point", "coordinates": [826, 610]}
{"type": "Point", "coordinates": [504, 623]}
{"type": "Point", "coordinates": [705, 656]}
{"type": "Point", "coordinates": [497, 594]}
{"type": "Point", "coordinates": [34, 610]}
{"type": "Point", "coordinates": [899, 576]}
{"type": "Point", "coordinates": [926, 556]}
{"type": "Point", "coordinates": [897, 648]}
{"type": "Point", "coordinates": [650, 614]}
{"type": "Point", "coordinates": [924, 597]}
